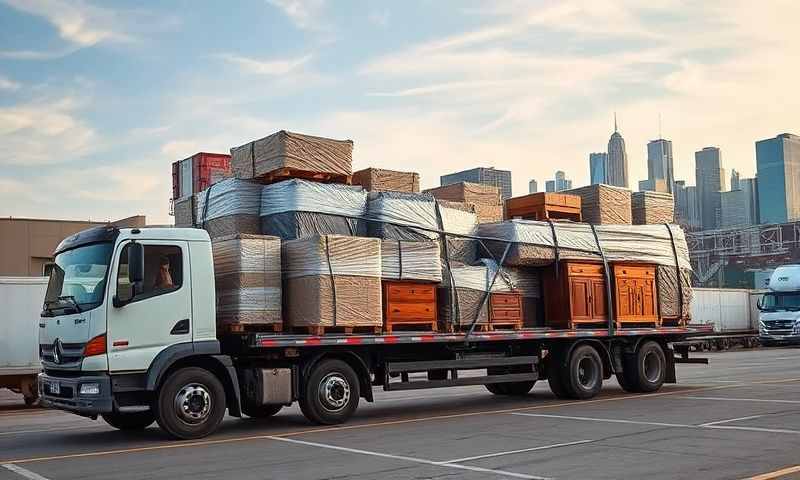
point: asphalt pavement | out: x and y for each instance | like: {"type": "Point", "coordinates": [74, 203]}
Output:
{"type": "Point", "coordinates": [738, 417]}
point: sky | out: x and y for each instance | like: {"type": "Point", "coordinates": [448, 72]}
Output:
{"type": "Point", "coordinates": [97, 99]}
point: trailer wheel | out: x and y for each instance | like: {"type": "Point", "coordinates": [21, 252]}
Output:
{"type": "Point", "coordinates": [645, 371]}
{"type": "Point", "coordinates": [261, 411]}
{"type": "Point", "coordinates": [190, 404]}
{"type": "Point", "coordinates": [555, 374]}
{"type": "Point", "coordinates": [331, 393]}
{"type": "Point", "coordinates": [584, 376]}
{"type": "Point", "coordinates": [509, 388]}
{"type": "Point", "coordinates": [129, 421]}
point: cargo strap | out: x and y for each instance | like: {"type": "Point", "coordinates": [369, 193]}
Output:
{"type": "Point", "coordinates": [205, 208]}
{"type": "Point", "coordinates": [487, 294]}
{"type": "Point", "coordinates": [400, 259]}
{"type": "Point", "coordinates": [677, 271]}
{"type": "Point", "coordinates": [607, 274]}
{"type": "Point", "coordinates": [556, 252]}
{"type": "Point", "coordinates": [333, 280]}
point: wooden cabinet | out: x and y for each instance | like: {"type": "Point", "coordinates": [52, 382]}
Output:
{"type": "Point", "coordinates": [577, 296]}
{"type": "Point", "coordinates": [505, 310]}
{"type": "Point", "coordinates": [635, 293]}
{"type": "Point", "coordinates": [409, 305]}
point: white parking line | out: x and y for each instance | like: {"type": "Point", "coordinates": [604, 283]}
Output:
{"type": "Point", "coordinates": [727, 399]}
{"type": "Point", "coordinates": [713, 425]}
{"type": "Point", "coordinates": [46, 430]}
{"type": "Point", "coordinates": [23, 472]}
{"type": "Point", "coordinates": [523, 450]}
{"type": "Point", "coordinates": [720, 422]}
{"type": "Point", "coordinates": [408, 459]}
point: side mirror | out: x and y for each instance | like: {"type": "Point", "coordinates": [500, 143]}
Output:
{"type": "Point", "coordinates": [135, 263]}
{"type": "Point", "coordinates": [760, 303]}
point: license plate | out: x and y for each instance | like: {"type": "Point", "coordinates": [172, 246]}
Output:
{"type": "Point", "coordinates": [51, 387]}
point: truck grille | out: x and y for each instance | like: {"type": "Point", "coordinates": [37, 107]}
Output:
{"type": "Point", "coordinates": [778, 324]}
{"type": "Point", "coordinates": [69, 353]}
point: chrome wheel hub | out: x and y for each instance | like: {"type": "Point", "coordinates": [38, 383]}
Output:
{"type": "Point", "coordinates": [334, 392]}
{"type": "Point", "coordinates": [193, 403]}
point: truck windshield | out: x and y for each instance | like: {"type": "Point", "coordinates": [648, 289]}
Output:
{"type": "Point", "coordinates": [781, 301]}
{"type": "Point", "coordinates": [78, 279]}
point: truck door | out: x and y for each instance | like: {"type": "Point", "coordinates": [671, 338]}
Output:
{"type": "Point", "coordinates": [155, 314]}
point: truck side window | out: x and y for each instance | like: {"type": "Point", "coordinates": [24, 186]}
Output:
{"type": "Point", "coordinates": [163, 272]}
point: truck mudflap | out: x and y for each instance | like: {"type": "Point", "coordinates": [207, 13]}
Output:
{"type": "Point", "coordinates": [66, 394]}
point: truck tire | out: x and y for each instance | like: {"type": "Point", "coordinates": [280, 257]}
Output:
{"type": "Point", "coordinates": [584, 376]}
{"type": "Point", "coordinates": [129, 421]}
{"type": "Point", "coordinates": [190, 403]}
{"type": "Point", "coordinates": [261, 411]}
{"type": "Point", "coordinates": [331, 393]}
{"type": "Point", "coordinates": [509, 388]}
{"type": "Point", "coordinates": [555, 374]}
{"type": "Point", "coordinates": [651, 367]}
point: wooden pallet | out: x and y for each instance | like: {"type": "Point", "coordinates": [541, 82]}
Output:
{"type": "Point", "coordinates": [319, 330]}
{"type": "Point", "coordinates": [250, 327]}
{"type": "Point", "coordinates": [288, 173]}
{"type": "Point", "coordinates": [411, 327]}
{"type": "Point", "coordinates": [506, 325]}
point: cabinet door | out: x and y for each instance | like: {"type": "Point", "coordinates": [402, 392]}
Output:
{"type": "Point", "coordinates": [625, 298]}
{"type": "Point", "coordinates": [580, 307]}
{"type": "Point", "coordinates": [599, 300]}
{"type": "Point", "coordinates": [648, 298]}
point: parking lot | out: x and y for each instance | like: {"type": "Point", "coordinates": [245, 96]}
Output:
{"type": "Point", "coordinates": [736, 418]}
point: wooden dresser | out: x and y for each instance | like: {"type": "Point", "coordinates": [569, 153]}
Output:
{"type": "Point", "coordinates": [505, 310]}
{"type": "Point", "coordinates": [635, 293]}
{"type": "Point", "coordinates": [409, 305]}
{"type": "Point", "coordinates": [577, 296]}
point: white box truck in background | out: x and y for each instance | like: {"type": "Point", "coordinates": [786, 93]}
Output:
{"type": "Point", "coordinates": [21, 300]}
{"type": "Point", "coordinates": [779, 320]}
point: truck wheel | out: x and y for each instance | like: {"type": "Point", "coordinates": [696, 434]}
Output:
{"type": "Point", "coordinates": [331, 393]}
{"type": "Point", "coordinates": [191, 403]}
{"type": "Point", "coordinates": [261, 411]}
{"type": "Point", "coordinates": [651, 367]}
{"type": "Point", "coordinates": [130, 421]}
{"type": "Point", "coordinates": [555, 374]}
{"type": "Point", "coordinates": [584, 376]}
{"type": "Point", "coordinates": [31, 400]}
{"type": "Point", "coordinates": [509, 388]}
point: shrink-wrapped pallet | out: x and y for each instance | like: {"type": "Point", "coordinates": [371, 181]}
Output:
{"type": "Point", "coordinates": [247, 275]}
{"type": "Point", "coordinates": [488, 213]}
{"type": "Point", "coordinates": [184, 210]}
{"type": "Point", "coordinates": [673, 301]}
{"type": "Point", "coordinates": [411, 261]}
{"type": "Point", "coordinates": [652, 207]}
{"type": "Point", "coordinates": [299, 208]}
{"type": "Point", "coordinates": [463, 296]}
{"type": "Point", "coordinates": [229, 207]}
{"type": "Point", "coordinates": [468, 192]}
{"type": "Point", "coordinates": [293, 151]}
{"type": "Point", "coordinates": [604, 204]}
{"type": "Point", "coordinates": [332, 281]}
{"type": "Point", "coordinates": [381, 180]}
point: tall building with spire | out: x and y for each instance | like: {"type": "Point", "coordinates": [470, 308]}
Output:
{"type": "Point", "coordinates": [617, 166]}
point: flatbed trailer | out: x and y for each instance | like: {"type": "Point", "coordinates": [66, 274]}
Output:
{"type": "Point", "coordinates": [135, 359]}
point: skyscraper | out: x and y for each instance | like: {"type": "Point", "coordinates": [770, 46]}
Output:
{"type": "Point", "coordinates": [778, 163]}
{"type": "Point", "coordinates": [597, 167]}
{"type": "Point", "coordinates": [617, 165]}
{"type": "Point", "coordinates": [734, 179]}
{"type": "Point", "coordinates": [562, 183]}
{"type": "Point", "coordinates": [659, 163]}
{"type": "Point", "coordinates": [740, 206]}
{"type": "Point", "coordinates": [709, 177]}
{"type": "Point", "coordinates": [482, 175]}
{"type": "Point", "coordinates": [550, 186]}
{"type": "Point", "coordinates": [533, 187]}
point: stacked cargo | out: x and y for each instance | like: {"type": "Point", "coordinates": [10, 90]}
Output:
{"type": "Point", "coordinates": [464, 297]}
{"type": "Point", "coordinates": [544, 206]}
{"type": "Point", "coordinates": [332, 281]}
{"type": "Point", "coordinates": [652, 207]}
{"type": "Point", "coordinates": [381, 180]}
{"type": "Point", "coordinates": [604, 204]}
{"type": "Point", "coordinates": [198, 172]}
{"type": "Point", "coordinates": [485, 200]}
{"type": "Point", "coordinates": [229, 207]}
{"type": "Point", "coordinates": [247, 274]}
{"type": "Point", "coordinates": [410, 272]}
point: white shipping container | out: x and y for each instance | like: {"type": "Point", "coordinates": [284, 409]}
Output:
{"type": "Point", "coordinates": [728, 309]}
{"type": "Point", "coordinates": [185, 186]}
{"type": "Point", "coordinates": [21, 299]}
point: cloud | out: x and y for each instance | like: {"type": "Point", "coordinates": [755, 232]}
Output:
{"type": "Point", "coordinates": [36, 55]}
{"type": "Point", "coordinates": [265, 67]}
{"type": "Point", "coordinates": [305, 14]}
{"type": "Point", "coordinates": [8, 84]}
{"type": "Point", "coordinates": [44, 132]}
{"type": "Point", "coordinates": [379, 18]}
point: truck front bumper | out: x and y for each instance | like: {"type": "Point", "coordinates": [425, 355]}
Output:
{"type": "Point", "coordinates": [67, 396]}
{"type": "Point", "coordinates": [773, 338]}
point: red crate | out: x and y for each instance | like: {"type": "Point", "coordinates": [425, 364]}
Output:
{"type": "Point", "coordinates": [207, 169]}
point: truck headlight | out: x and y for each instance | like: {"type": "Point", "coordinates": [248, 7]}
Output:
{"type": "Point", "coordinates": [90, 389]}
{"type": "Point", "coordinates": [796, 329]}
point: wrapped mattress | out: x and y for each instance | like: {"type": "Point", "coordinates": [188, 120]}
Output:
{"type": "Point", "coordinates": [463, 295]}
{"type": "Point", "coordinates": [298, 208]}
{"type": "Point", "coordinates": [604, 204]}
{"type": "Point", "coordinates": [380, 180]}
{"type": "Point", "coordinates": [332, 281]}
{"type": "Point", "coordinates": [292, 150]}
{"type": "Point", "coordinates": [247, 274]}
{"type": "Point", "coordinates": [229, 207]}
{"type": "Point", "coordinates": [674, 302]}
{"type": "Point", "coordinates": [411, 261]}
{"type": "Point", "coordinates": [652, 207]}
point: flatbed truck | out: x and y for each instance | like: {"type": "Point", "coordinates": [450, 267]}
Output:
{"type": "Point", "coordinates": [111, 348]}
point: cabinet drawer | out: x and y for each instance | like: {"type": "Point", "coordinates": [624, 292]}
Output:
{"type": "Point", "coordinates": [578, 269]}
{"type": "Point", "coordinates": [506, 314]}
{"type": "Point", "coordinates": [506, 300]}
{"type": "Point", "coordinates": [399, 312]}
{"type": "Point", "coordinates": [634, 271]}
{"type": "Point", "coordinates": [410, 292]}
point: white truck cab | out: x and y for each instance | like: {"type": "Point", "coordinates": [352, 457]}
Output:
{"type": "Point", "coordinates": [779, 320]}
{"type": "Point", "coordinates": [122, 307]}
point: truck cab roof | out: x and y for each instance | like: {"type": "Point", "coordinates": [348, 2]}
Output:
{"type": "Point", "coordinates": [785, 278]}
{"type": "Point", "coordinates": [165, 233]}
